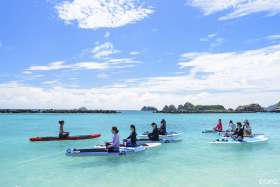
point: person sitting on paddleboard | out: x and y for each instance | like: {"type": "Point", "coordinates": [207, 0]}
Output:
{"type": "Point", "coordinates": [114, 146]}
{"type": "Point", "coordinates": [238, 133]}
{"type": "Point", "coordinates": [247, 128]}
{"type": "Point", "coordinates": [154, 135]}
{"type": "Point", "coordinates": [130, 141]}
{"type": "Point", "coordinates": [219, 126]}
{"type": "Point", "coordinates": [62, 133]}
{"type": "Point", "coordinates": [162, 128]}
{"type": "Point", "coordinates": [231, 126]}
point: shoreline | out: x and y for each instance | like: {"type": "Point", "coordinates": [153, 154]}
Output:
{"type": "Point", "coordinates": [225, 112]}
{"type": "Point", "coordinates": [30, 111]}
{"type": "Point", "coordinates": [56, 111]}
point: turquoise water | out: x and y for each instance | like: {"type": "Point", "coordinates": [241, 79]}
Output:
{"type": "Point", "coordinates": [191, 162]}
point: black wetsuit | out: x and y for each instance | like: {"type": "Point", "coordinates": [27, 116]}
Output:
{"type": "Point", "coordinates": [162, 130]}
{"type": "Point", "coordinates": [64, 135]}
{"type": "Point", "coordinates": [239, 133]}
{"type": "Point", "coordinates": [154, 136]}
{"type": "Point", "coordinates": [133, 139]}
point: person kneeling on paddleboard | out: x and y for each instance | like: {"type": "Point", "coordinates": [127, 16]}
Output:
{"type": "Point", "coordinates": [162, 128]}
{"type": "Point", "coordinates": [130, 141]}
{"type": "Point", "coordinates": [154, 136]}
{"type": "Point", "coordinates": [238, 133]}
{"type": "Point", "coordinates": [219, 126]}
{"type": "Point", "coordinates": [114, 146]}
{"type": "Point", "coordinates": [62, 133]}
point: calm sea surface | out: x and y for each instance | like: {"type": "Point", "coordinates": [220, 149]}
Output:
{"type": "Point", "coordinates": [191, 162]}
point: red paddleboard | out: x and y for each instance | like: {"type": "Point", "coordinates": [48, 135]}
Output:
{"type": "Point", "coordinates": [81, 137]}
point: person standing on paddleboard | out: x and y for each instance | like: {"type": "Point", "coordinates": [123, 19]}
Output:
{"type": "Point", "coordinates": [114, 146]}
{"type": "Point", "coordinates": [62, 133]}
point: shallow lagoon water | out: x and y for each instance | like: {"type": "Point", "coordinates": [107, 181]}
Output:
{"type": "Point", "coordinates": [191, 162]}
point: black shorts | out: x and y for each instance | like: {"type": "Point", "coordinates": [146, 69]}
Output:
{"type": "Point", "coordinates": [112, 149]}
{"type": "Point", "coordinates": [64, 135]}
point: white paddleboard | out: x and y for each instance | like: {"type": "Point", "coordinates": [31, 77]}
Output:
{"type": "Point", "coordinates": [246, 140]}
{"type": "Point", "coordinates": [168, 135]}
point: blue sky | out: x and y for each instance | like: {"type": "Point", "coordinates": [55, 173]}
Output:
{"type": "Point", "coordinates": [128, 53]}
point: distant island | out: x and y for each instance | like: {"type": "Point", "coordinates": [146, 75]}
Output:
{"type": "Point", "coordinates": [80, 110]}
{"type": "Point", "coordinates": [190, 108]}
{"type": "Point", "coordinates": [149, 108]}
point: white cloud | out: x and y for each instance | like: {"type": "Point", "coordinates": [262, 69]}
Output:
{"type": "Point", "coordinates": [121, 61]}
{"type": "Point", "coordinates": [77, 66]}
{"type": "Point", "coordinates": [102, 76]}
{"type": "Point", "coordinates": [107, 64]}
{"type": "Point", "coordinates": [102, 53]}
{"type": "Point", "coordinates": [104, 50]}
{"type": "Point", "coordinates": [229, 78]}
{"type": "Point", "coordinates": [52, 66]}
{"type": "Point", "coordinates": [236, 8]}
{"type": "Point", "coordinates": [107, 34]}
{"type": "Point", "coordinates": [94, 14]}
{"type": "Point", "coordinates": [27, 72]}
{"type": "Point", "coordinates": [217, 42]}
{"type": "Point", "coordinates": [253, 69]}
{"type": "Point", "coordinates": [50, 82]}
{"type": "Point", "coordinates": [92, 65]}
{"type": "Point", "coordinates": [134, 53]}
{"type": "Point", "coordinates": [212, 35]}
{"type": "Point", "coordinates": [274, 37]}
{"type": "Point", "coordinates": [213, 39]}
{"type": "Point", "coordinates": [121, 97]}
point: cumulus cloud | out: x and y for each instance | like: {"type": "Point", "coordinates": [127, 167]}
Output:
{"type": "Point", "coordinates": [229, 78]}
{"type": "Point", "coordinates": [236, 8]}
{"type": "Point", "coordinates": [258, 69]}
{"type": "Point", "coordinates": [121, 97]}
{"type": "Point", "coordinates": [94, 14]}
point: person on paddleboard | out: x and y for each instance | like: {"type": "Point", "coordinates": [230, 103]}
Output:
{"type": "Point", "coordinates": [62, 133]}
{"type": "Point", "coordinates": [231, 126]}
{"type": "Point", "coordinates": [130, 141]}
{"type": "Point", "coordinates": [238, 133]}
{"type": "Point", "coordinates": [114, 146]}
{"type": "Point", "coordinates": [162, 128]}
{"type": "Point", "coordinates": [154, 135]}
{"type": "Point", "coordinates": [219, 126]}
{"type": "Point", "coordinates": [247, 128]}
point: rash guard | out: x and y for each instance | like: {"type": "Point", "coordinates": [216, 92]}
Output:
{"type": "Point", "coordinates": [154, 136]}
{"type": "Point", "coordinates": [116, 142]}
{"type": "Point", "coordinates": [219, 127]}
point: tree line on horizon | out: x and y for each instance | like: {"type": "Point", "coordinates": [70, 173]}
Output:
{"type": "Point", "coordinates": [190, 108]}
